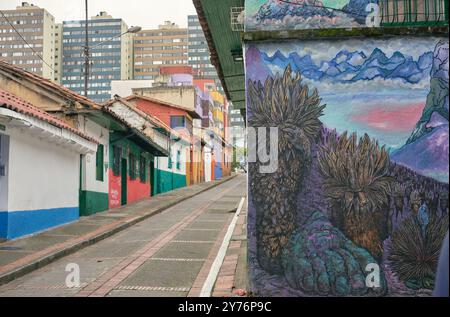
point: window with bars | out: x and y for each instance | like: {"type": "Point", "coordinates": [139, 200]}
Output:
{"type": "Point", "coordinates": [142, 169]}
{"type": "Point", "coordinates": [414, 12]}
{"type": "Point", "coordinates": [117, 157]}
{"type": "Point", "coordinates": [178, 159]}
{"type": "Point", "coordinates": [133, 166]}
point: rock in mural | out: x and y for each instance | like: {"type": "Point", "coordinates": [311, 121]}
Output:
{"type": "Point", "coordinates": [320, 260]}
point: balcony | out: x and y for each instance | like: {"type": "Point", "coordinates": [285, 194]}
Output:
{"type": "Point", "coordinates": [413, 12]}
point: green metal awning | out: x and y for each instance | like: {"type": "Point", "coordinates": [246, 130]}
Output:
{"type": "Point", "coordinates": [225, 46]}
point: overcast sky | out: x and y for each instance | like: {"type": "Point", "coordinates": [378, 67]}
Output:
{"type": "Point", "coordinates": [144, 13]}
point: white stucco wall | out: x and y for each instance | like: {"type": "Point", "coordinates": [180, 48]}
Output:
{"type": "Point", "coordinates": [101, 134]}
{"type": "Point", "coordinates": [42, 174]}
{"type": "Point", "coordinates": [4, 158]}
{"type": "Point", "coordinates": [162, 162]}
{"type": "Point", "coordinates": [124, 88]}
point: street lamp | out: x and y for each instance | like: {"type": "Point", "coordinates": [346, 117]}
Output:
{"type": "Point", "coordinates": [86, 48]}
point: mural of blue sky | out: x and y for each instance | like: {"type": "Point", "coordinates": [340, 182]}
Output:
{"type": "Point", "coordinates": [304, 14]}
{"type": "Point", "coordinates": [373, 88]}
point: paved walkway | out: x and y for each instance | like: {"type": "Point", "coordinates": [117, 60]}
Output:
{"type": "Point", "coordinates": [167, 254]}
{"type": "Point", "coordinates": [24, 255]}
{"type": "Point", "coordinates": [232, 278]}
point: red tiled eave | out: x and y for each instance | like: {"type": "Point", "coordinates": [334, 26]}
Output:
{"type": "Point", "coordinates": [47, 84]}
{"type": "Point", "coordinates": [15, 103]}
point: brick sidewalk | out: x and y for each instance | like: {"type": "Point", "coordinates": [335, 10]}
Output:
{"type": "Point", "coordinates": [232, 277]}
{"type": "Point", "coordinates": [22, 256]}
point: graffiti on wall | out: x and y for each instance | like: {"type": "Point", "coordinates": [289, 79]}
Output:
{"type": "Point", "coordinates": [310, 14]}
{"type": "Point", "coordinates": [359, 203]}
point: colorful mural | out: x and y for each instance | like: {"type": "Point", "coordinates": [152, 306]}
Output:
{"type": "Point", "coordinates": [307, 14]}
{"type": "Point", "coordinates": [358, 205]}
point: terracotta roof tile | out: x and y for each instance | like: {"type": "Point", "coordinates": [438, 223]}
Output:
{"type": "Point", "coordinates": [15, 103]}
{"type": "Point", "coordinates": [45, 83]}
{"type": "Point", "coordinates": [154, 120]}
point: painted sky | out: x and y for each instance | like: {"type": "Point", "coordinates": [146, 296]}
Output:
{"type": "Point", "coordinates": [252, 6]}
{"type": "Point", "coordinates": [386, 109]}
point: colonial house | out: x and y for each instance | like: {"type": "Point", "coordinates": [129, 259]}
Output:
{"type": "Point", "coordinates": [167, 165]}
{"type": "Point", "coordinates": [39, 168]}
{"type": "Point", "coordinates": [184, 121]}
{"type": "Point", "coordinates": [80, 113]}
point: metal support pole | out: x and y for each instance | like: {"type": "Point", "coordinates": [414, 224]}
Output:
{"type": "Point", "coordinates": [86, 53]}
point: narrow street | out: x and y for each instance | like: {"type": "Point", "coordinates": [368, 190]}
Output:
{"type": "Point", "coordinates": [168, 254]}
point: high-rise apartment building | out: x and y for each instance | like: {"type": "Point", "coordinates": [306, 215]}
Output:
{"type": "Point", "coordinates": [166, 45]}
{"type": "Point", "coordinates": [110, 55]}
{"type": "Point", "coordinates": [237, 126]}
{"type": "Point", "coordinates": [198, 51]}
{"type": "Point", "coordinates": [57, 59]}
{"type": "Point", "coordinates": [37, 27]}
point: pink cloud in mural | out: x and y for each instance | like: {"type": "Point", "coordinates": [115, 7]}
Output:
{"type": "Point", "coordinates": [398, 119]}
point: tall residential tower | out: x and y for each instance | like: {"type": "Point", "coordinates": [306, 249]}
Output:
{"type": "Point", "coordinates": [37, 27]}
{"type": "Point", "coordinates": [110, 55]}
{"type": "Point", "coordinates": [198, 51]}
{"type": "Point", "coordinates": [166, 45]}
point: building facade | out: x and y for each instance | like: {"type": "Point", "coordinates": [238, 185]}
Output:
{"type": "Point", "coordinates": [237, 128]}
{"type": "Point", "coordinates": [45, 194]}
{"type": "Point", "coordinates": [38, 28]}
{"type": "Point", "coordinates": [166, 45]}
{"type": "Point", "coordinates": [110, 55]}
{"type": "Point", "coordinates": [58, 56]}
{"type": "Point", "coordinates": [134, 153]}
{"type": "Point", "coordinates": [198, 52]}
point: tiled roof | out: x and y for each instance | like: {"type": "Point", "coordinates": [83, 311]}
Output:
{"type": "Point", "coordinates": [15, 103]}
{"type": "Point", "coordinates": [193, 114]}
{"type": "Point", "coordinates": [154, 120]}
{"type": "Point", "coordinates": [47, 84]}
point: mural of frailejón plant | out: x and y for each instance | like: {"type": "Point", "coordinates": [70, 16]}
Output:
{"type": "Point", "coordinates": [288, 104]}
{"type": "Point", "coordinates": [357, 184]}
{"type": "Point", "coordinates": [415, 251]}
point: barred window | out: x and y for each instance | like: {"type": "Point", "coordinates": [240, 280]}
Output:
{"type": "Point", "coordinates": [133, 166]}
{"type": "Point", "coordinates": [117, 157]}
{"type": "Point", "coordinates": [142, 169]}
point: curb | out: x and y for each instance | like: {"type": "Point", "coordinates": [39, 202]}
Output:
{"type": "Point", "coordinates": [47, 259]}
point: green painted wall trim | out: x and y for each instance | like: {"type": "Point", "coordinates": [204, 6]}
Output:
{"type": "Point", "coordinates": [166, 181]}
{"type": "Point", "coordinates": [92, 202]}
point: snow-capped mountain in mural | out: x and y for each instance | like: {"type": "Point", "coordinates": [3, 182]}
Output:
{"type": "Point", "coordinates": [427, 150]}
{"type": "Point", "coordinates": [348, 67]}
{"type": "Point", "coordinates": [305, 14]}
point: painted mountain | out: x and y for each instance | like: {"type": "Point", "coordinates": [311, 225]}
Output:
{"type": "Point", "coordinates": [305, 14]}
{"type": "Point", "coordinates": [350, 67]}
{"type": "Point", "coordinates": [427, 150]}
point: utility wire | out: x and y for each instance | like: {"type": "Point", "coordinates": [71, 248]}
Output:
{"type": "Point", "coordinates": [23, 39]}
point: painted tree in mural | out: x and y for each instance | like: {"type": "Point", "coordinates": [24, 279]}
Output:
{"type": "Point", "coordinates": [357, 183]}
{"type": "Point", "coordinates": [283, 102]}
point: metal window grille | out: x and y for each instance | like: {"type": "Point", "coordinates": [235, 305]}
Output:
{"type": "Point", "coordinates": [142, 169]}
{"type": "Point", "coordinates": [117, 157]}
{"type": "Point", "coordinates": [414, 12]}
{"type": "Point", "coordinates": [133, 168]}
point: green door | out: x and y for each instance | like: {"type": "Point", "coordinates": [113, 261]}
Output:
{"type": "Point", "coordinates": [123, 182]}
